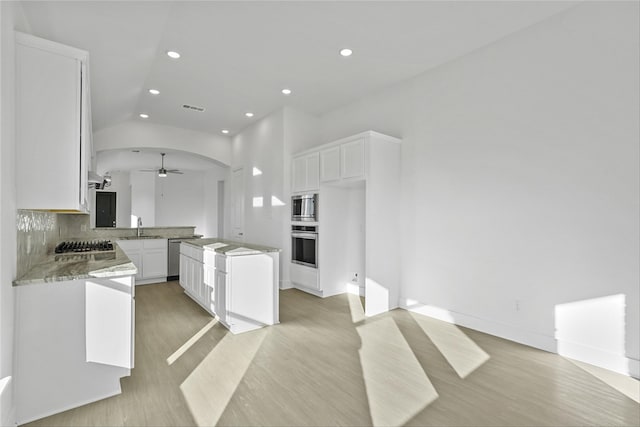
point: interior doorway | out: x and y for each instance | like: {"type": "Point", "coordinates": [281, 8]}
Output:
{"type": "Point", "coordinates": [105, 209]}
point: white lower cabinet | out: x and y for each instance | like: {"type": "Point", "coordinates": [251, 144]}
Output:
{"type": "Point", "coordinates": [195, 277]}
{"type": "Point", "coordinates": [150, 258]}
{"type": "Point", "coordinates": [74, 341]}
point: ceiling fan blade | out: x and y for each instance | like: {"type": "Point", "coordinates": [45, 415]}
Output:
{"type": "Point", "coordinates": [148, 170]}
{"type": "Point", "coordinates": [175, 171]}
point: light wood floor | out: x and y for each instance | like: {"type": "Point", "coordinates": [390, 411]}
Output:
{"type": "Point", "coordinates": [327, 365]}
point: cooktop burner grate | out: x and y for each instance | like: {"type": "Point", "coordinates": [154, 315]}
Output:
{"type": "Point", "coordinates": [88, 246]}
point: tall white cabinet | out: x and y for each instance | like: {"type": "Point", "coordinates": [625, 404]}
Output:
{"type": "Point", "coordinates": [358, 225]}
{"type": "Point", "coordinates": [53, 126]}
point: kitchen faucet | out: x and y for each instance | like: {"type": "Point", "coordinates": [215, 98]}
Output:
{"type": "Point", "coordinates": [139, 226]}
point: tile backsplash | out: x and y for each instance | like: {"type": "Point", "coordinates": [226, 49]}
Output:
{"type": "Point", "coordinates": [37, 234]}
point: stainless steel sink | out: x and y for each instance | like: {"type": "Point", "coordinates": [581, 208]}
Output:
{"type": "Point", "coordinates": [141, 237]}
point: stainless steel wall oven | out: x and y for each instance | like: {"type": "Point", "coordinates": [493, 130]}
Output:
{"type": "Point", "coordinates": [304, 245]}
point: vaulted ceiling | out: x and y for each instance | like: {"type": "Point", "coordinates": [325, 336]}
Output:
{"type": "Point", "coordinates": [238, 56]}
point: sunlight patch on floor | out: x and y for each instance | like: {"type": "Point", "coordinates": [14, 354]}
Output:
{"type": "Point", "coordinates": [461, 352]}
{"type": "Point", "coordinates": [210, 386]}
{"type": "Point", "coordinates": [356, 309]}
{"type": "Point", "coordinates": [397, 387]}
{"type": "Point", "coordinates": [191, 341]}
{"type": "Point", "coordinates": [628, 386]}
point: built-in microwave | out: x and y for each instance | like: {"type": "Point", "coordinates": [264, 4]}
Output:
{"type": "Point", "coordinates": [304, 207]}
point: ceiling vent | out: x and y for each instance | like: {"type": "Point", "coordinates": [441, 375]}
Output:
{"type": "Point", "coordinates": [193, 107]}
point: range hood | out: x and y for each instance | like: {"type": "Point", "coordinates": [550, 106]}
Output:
{"type": "Point", "coordinates": [94, 178]}
{"type": "Point", "coordinates": [98, 182]}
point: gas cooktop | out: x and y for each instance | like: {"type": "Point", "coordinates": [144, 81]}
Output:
{"type": "Point", "coordinates": [88, 246]}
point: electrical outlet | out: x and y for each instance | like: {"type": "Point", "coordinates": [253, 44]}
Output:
{"type": "Point", "coordinates": [354, 279]}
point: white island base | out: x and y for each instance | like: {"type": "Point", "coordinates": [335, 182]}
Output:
{"type": "Point", "coordinates": [236, 284]}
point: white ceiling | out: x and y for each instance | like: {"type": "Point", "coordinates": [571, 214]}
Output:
{"type": "Point", "coordinates": [150, 158]}
{"type": "Point", "coordinates": [237, 56]}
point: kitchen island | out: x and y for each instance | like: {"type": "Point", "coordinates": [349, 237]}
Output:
{"type": "Point", "coordinates": [234, 281]}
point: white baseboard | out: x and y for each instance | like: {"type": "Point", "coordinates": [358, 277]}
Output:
{"type": "Point", "coordinates": [286, 284]}
{"type": "Point", "coordinates": [355, 289]}
{"type": "Point", "coordinates": [307, 290]}
{"type": "Point", "coordinates": [597, 357]}
{"type": "Point", "coordinates": [151, 281]}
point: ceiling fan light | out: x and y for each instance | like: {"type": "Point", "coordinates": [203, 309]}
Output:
{"type": "Point", "coordinates": [162, 173]}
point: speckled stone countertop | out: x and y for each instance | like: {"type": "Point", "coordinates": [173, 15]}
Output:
{"type": "Point", "coordinates": [229, 247]}
{"type": "Point", "coordinates": [74, 266]}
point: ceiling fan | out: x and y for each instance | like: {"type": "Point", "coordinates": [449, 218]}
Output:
{"type": "Point", "coordinates": [162, 172]}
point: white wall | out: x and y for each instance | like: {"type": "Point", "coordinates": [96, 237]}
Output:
{"type": "Point", "coordinates": [211, 200]}
{"type": "Point", "coordinates": [180, 200]}
{"type": "Point", "coordinates": [268, 145]}
{"type": "Point", "coordinates": [190, 199]}
{"type": "Point", "coordinates": [135, 133]}
{"type": "Point", "coordinates": [520, 179]}
{"type": "Point", "coordinates": [261, 146]}
{"type": "Point", "coordinates": [10, 18]}
{"type": "Point", "coordinates": [143, 197]}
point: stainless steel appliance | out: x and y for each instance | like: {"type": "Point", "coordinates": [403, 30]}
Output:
{"type": "Point", "coordinates": [173, 255]}
{"type": "Point", "coordinates": [304, 207]}
{"type": "Point", "coordinates": [87, 246]}
{"type": "Point", "coordinates": [304, 245]}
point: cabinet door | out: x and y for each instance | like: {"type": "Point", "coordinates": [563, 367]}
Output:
{"type": "Point", "coordinates": [183, 271]}
{"type": "Point", "coordinates": [133, 250]}
{"type": "Point", "coordinates": [188, 274]}
{"type": "Point", "coordinates": [330, 164]}
{"type": "Point", "coordinates": [352, 159]}
{"type": "Point", "coordinates": [109, 321]}
{"type": "Point", "coordinates": [313, 172]}
{"type": "Point", "coordinates": [220, 296]}
{"type": "Point", "coordinates": [154, 263]}
{"type": "Point", "coordinates": [48, 126]}
{"type": "Point", "coordinates": [198, 283]}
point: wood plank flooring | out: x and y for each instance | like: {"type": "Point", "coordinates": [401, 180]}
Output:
{"type": "Point", "coordinates": [327, 365]}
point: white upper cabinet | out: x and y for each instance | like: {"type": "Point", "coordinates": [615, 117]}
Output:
{"type": "Point", "coordinates": [352, 159]}
{"type": "Point", "coordinates": [306, 173]}
{"type": "Point", "coordinates": [330, 164]}
{"type": "Point", "coordinates": [53, 126]}
{"type": "Point", "coordinates": [343, 161]}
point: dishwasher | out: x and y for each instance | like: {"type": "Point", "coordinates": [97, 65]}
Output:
{"type": "Point", "coordinates": [173, 262]}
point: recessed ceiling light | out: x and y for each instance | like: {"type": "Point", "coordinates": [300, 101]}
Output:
{"type": "Point", "coordinates": [248, 114]}
{"type": "Point", "coordinates": [346, 52]}
{"type": "Point", "coordinates": [144, 116]}
{"type": "Point", "coordinates": [286, 91]}
{"type": "Point", "coordinates": [225, 130]}
{"type": "Point", "coordinates": [173, 55]}
{"type": "Point", "coordinates": [154, 91]}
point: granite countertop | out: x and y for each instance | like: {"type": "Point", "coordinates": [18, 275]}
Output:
{"type": "Point", "coordinates": [75, 266]}
{"type": "Point", "coordinates": [190, 236]}
{"type": "Point", "coordinates": [229, 247]}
